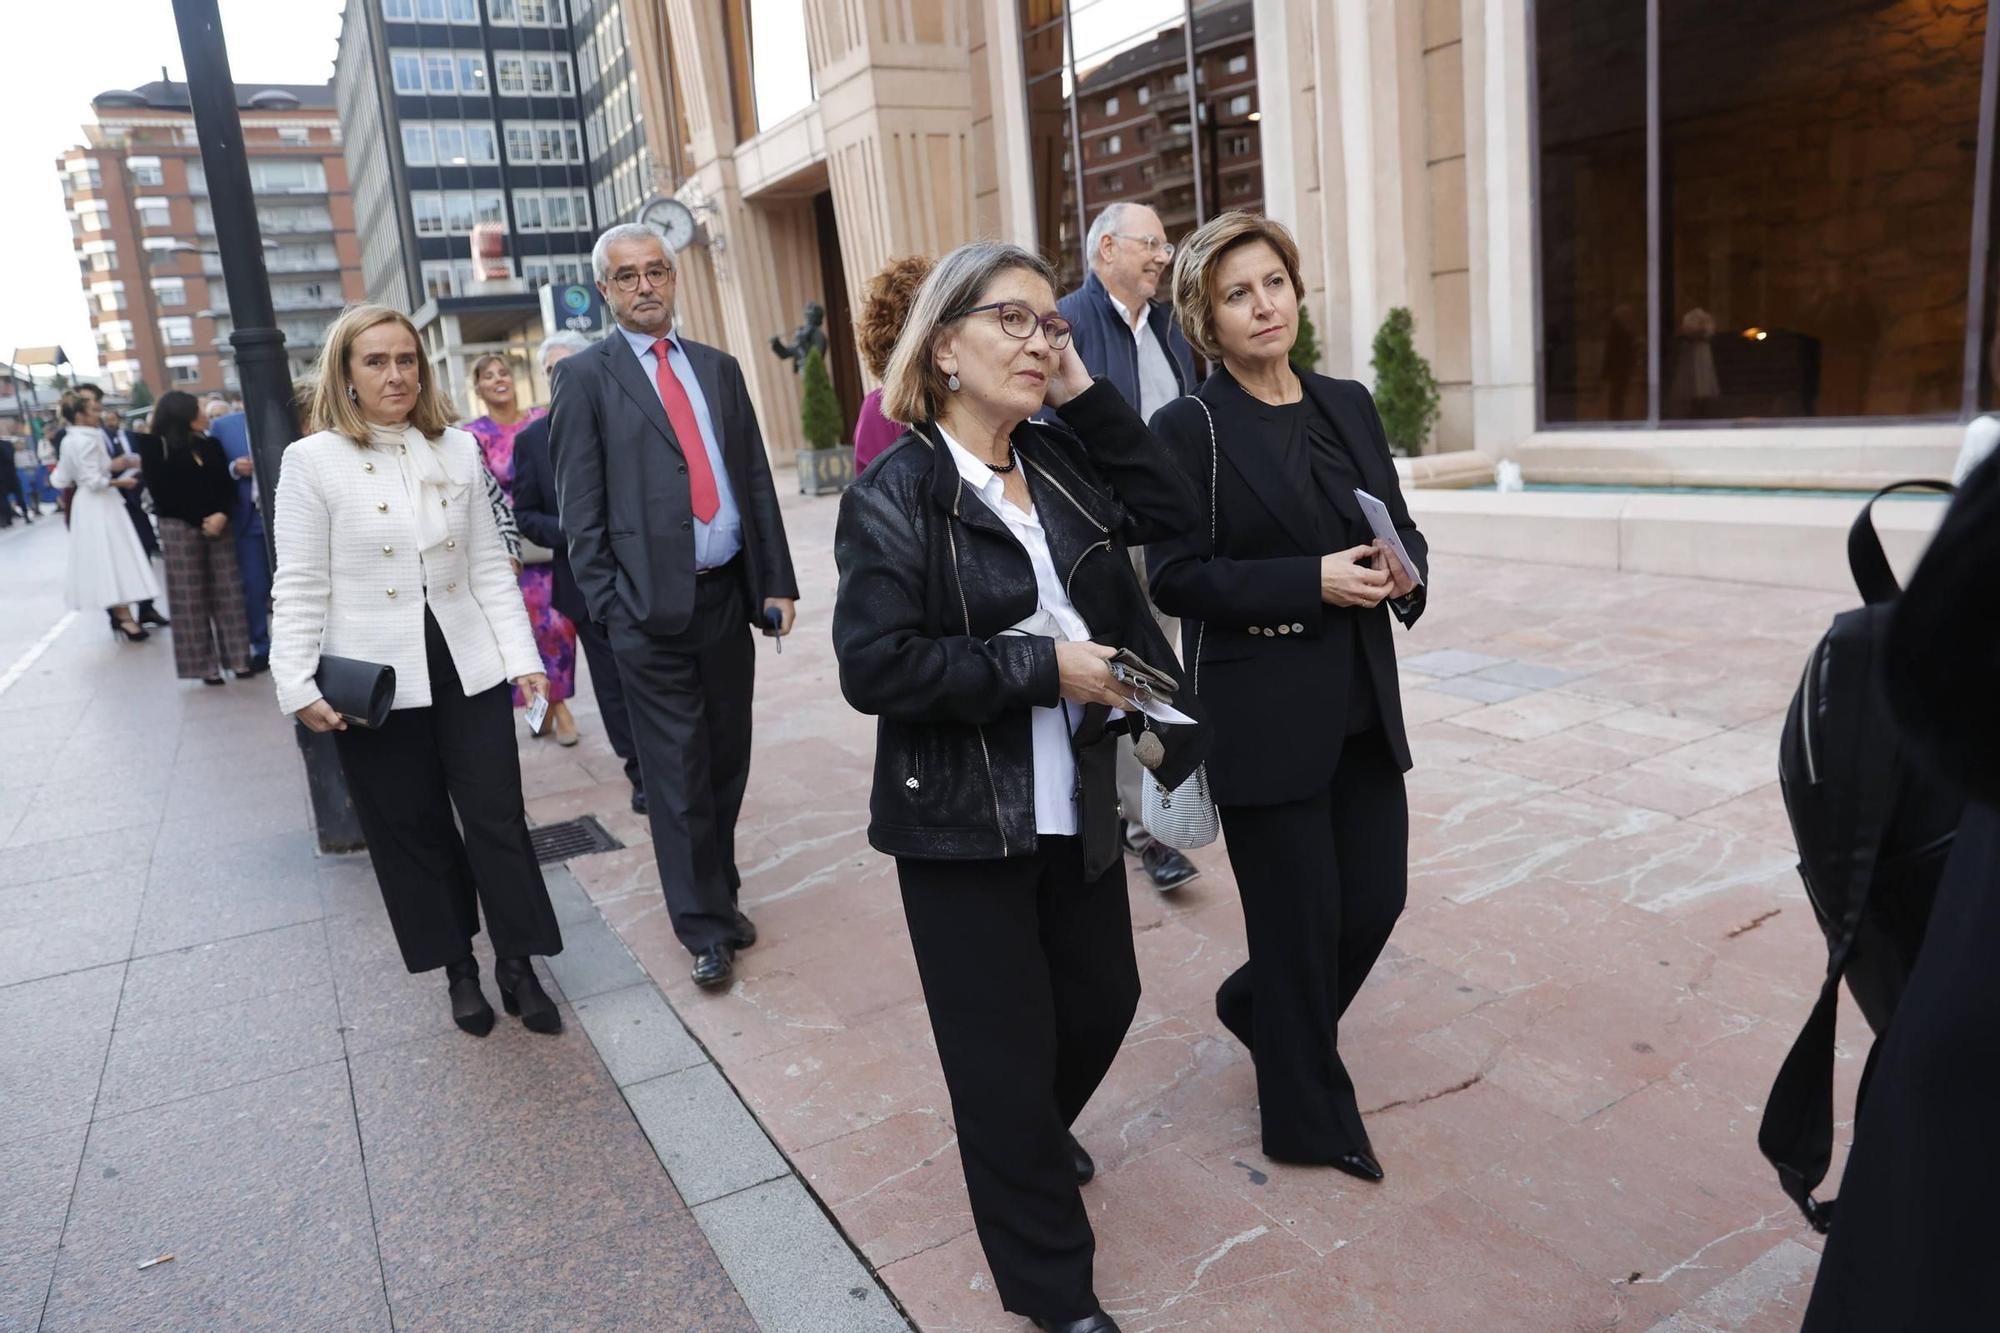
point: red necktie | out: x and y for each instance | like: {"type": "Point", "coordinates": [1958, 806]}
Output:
{"type": "Point", "coordinates": [680, 415]}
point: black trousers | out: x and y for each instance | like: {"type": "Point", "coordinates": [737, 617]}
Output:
{"type": "Point", "coordinates": [1323, 881]}
{"type": "Point", "coordinates": [406, 780]}
{"type": "Point", "coordinates": [609, 687]}
{"type": "Point", "coordinates": [688, 696]}
{"type": "Point", "coordinates": [1031, 982]}
{"type": "Point", "coordinates": [1913, 1231]}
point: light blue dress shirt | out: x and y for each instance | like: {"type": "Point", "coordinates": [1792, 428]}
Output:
{"type": "Point", "coordinates": [719, 540]}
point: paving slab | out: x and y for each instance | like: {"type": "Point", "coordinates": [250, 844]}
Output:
{"type": "Point", "coordinates": [796, 1274]}
{"type": "Point", "coordinates": [704, 1135]}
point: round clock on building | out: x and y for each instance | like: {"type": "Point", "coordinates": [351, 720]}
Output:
{"type": "Point", "coordinates": [673, 218]}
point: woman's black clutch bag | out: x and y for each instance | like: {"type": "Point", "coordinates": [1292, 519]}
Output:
{"type": "Point", "coordinates": [361, 692]}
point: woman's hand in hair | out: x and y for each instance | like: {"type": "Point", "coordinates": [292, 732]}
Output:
{"type": "Point", "coordinates": [319, 716]}
{"type": "Point", "coordinates": [1085, 669]}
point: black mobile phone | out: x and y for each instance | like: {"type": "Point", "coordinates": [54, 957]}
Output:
{"type": "Point", "coordinates": [773, 618]}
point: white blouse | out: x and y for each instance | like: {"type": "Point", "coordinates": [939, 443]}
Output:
{"type": "Point", "coordinates": [1055, 617]}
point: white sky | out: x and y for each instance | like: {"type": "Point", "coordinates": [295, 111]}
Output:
{"type": "Point", "coordinates": [60, 56]}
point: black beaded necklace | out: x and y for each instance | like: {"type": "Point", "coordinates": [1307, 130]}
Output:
{"type": "Point", "coordinates": [1007, 466]}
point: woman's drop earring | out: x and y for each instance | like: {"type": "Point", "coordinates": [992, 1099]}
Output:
{"type": "Point", "coordinates": [951, 382]}
{"type": "Point", "coordinates": [352, 396]}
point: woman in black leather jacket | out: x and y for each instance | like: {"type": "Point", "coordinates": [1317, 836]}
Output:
{"type": "Point", "coordinates": [984, 584]}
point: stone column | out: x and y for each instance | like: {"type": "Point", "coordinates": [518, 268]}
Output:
{"type": "Point", "coordinates": [895, 102]}
{"type": "Point", "coordinates": [1500, 222]}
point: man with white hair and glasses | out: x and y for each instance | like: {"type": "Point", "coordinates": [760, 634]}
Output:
{"type": "Point", "coordinates": [679, 548]}
{"type": "Point", "coordinates": [1123, 335]}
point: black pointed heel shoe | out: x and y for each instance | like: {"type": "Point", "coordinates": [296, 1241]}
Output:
{"type": "Point", "coordinates": [521, 994]}
{"type": "Point", "coordinates": [1099, 1322]}
{"type": "Point", "coordinates": [1361, 1165]}
{"type": "Point", "coordinates": [468, 1003]}
{"type": "Point", "coordinates": [1086, 1169]}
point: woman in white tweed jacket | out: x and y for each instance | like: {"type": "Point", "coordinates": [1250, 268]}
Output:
{"type": "Point", "coordinates": [388, 552]}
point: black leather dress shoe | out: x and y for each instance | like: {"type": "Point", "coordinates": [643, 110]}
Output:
{"type": "Point", "coordinates": [638, 800]}
{"type": "Point", "coordinates": [1167, 867]}
{"type": "Point", "coordinates": [521, 994]}
{"type": "Point", "coordinates": [468, 1003]}
{"type": "Point", "coordinates": [714, 966]}
{"type": "Point", "coordinates": [1091, 1323]}
{"type": "Point", "coordinates": [746, 931]}
{"type": "Point", "coordinates": [1361, 1165]}
{"type": "Point", "coordinates": [1085, 1168]}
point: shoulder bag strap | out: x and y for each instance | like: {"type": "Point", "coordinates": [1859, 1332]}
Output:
{"type": "Point", "coordinates": [1200, 634]}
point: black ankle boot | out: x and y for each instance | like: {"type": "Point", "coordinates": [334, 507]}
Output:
{"type": "Point", "coordinates": [522, 995]}
{"type": "Point", "coordinates": [468, 1003]}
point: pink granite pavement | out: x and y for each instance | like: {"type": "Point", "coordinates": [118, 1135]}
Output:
{"type": "Point", "coordinates": [1563, 1055]}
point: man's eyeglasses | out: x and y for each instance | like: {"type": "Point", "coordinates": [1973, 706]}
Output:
{"type": "Point", "coordinates": [1163, 248]}
{"type": "Point", "coordinates": [1017, 321]}
{"type": "Point", "coordinates": [656, 275]}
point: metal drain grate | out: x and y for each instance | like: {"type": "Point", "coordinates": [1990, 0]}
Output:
{"type": "Point", "coordinates": [571, 837]}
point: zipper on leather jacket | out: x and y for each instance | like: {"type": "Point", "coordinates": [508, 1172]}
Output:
{"type": "Point", "coordinates": [958, 581]}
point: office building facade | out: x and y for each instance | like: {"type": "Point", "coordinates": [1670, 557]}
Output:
{"type": "Point", "coordinates": [137, 198]}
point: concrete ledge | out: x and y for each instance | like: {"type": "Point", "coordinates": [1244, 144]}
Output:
{"type": "Point", "coordinates": [1784, 541]}
{"type": "Point", "coordinates": [1855, 458]}
{"type": "Point", "coordinates": [1461, 467]}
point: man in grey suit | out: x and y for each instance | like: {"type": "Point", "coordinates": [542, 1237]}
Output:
{"type": "Point", "coordinates": [676, 541]}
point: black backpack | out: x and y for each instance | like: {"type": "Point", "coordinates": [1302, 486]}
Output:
{"type": "Point", "coordinates": [1873, 832]}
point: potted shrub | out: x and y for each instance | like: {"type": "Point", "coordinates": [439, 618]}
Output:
{"type": "Point", "coordinates": [1406, 393]}
{"type": "Point", "coordinates": [823, 468]}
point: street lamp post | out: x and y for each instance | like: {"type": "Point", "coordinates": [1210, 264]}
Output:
{"type": "Point", "coordinates": [259, 343]}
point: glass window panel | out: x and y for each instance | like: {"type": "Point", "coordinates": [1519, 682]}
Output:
{"type": "Point", "coordinates": [527, 210]}
{"type": "Point", "coordinates": [1590, 59]}
{"type": "Point", "coordinates": [399, 9]}
{"type": "Point", "coordinates": [520, 142]}
{"type": "Point", "coordinates": [512, 73]}
{"type": "Point", "coordinates": [430, 11]}
{"type": "Point", "coordinates": [472, 74]}
{"type": "Point", "coordinates": [556, 206]}
{"type": "Point", "coordinates": [407, 68]}
{"type": "Point", "coordinates": [491, 206]}
{"type": "Point", "coordinates": [1121, 46]}
{"type": "Point", "coordinates": [458, 213]}
{"type": "Point", "coordinates": [450, 144]}
{"type": "Point", "coordinates": [464, 11]}
{"type": "Point", "coordinates": [417, 145]}
{"type": "Point", "coordinates": [427, 211]}
{"type": "Point", "coordinates": [480, 146]}
{"type": "Point", "coordinates": [438, 72]}
{"type": "Point", "coordinates": [1817, 161]}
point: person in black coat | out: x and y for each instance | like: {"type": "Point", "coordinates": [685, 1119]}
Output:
{"type": "Point", "coordinates": [1286, 624]}
{"type": "Point", "coordinates": [535, 512]}
{"type": "Point", "coordinates": [1912, 1235]}
{"type": "Point", "coordinates": [984, 586]}
{"type": "Point", "coordinates": [187, 474]}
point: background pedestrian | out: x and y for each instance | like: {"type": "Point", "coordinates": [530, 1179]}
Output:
{"type": "Point", "coordinates": [187, 473]}
{"type": "Point", "coordinates": [108, 569]}
{"type": "Point", "coordinates": [229, 426]}
{"type": "Point", "coordinates": [555, 636]}
{"type": "Point", "coordinates": [884, 308]}
{"type": "Point", "coordinates": [1123, 334]}
{"type": "Point", "coordinates": [535, 510]}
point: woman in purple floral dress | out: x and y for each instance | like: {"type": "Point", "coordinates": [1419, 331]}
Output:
{"type": "Point", "coordinates": [493, 383]}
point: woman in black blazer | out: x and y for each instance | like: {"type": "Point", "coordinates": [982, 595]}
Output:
{"type": "Point", "coordinates": [1288, 609]}
{"type": "Point", "coordinates": [187, 474]}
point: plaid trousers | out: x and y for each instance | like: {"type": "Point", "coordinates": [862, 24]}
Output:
{"type": "Point", "coordinates": [205, 593]}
